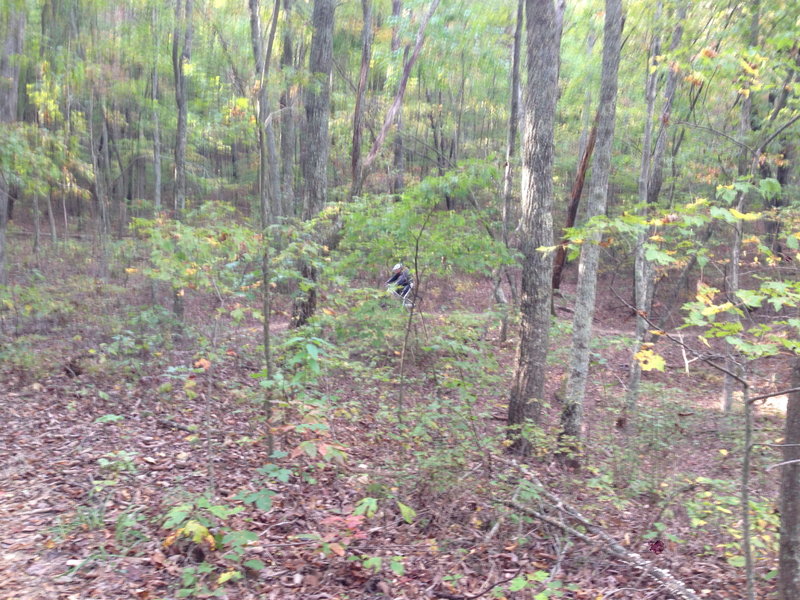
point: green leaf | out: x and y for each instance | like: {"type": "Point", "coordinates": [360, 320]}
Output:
{"type": "Point", "coordinates": [373, 562]}
{"type": "Point", "coordinates": [109, 419]}
{"type": "Point", "coordinates": [518, 583]}
{"type": "Point", "coordinates": [254, 564]}
{"type": "Point", "coordinates": [736, 561]}
{"type": "Point", "coordinates": [409, 514]}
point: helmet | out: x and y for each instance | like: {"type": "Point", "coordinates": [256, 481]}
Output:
{"type": "Point", "coordinates": [397, 267]}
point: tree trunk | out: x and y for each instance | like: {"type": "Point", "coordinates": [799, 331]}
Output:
{"type": "Point", "coordinates": [156, 124]}
{"type": "Point", "coordinates": [397, 180]}
{"type": "Point", "coordinates": [789, 559]}
{"type": "Point", "coordinates": [572, 415]}
{"type": "Point", "coordinates": [181, 54]}
{"type": "Point", "coordinates": [316, 139]}
{"type": "Point", "coordinates": [649, 189]}
{"type": "Point", "coordinates": [12, 45]}
{"type": "Point", "coordinates": [527, 392]}
{"type": "Point", "coordinates": [744, 168]}
{"type": "Point", "coordinates": [314, 160]}
{"type": "Point", "coordinates": [287, 128]}
{"type": "Point", "coordinates": [358, 113]}
{"type": "Point", "coordinates": [394, 109]}
{"type": "Point", "coordinates": [574, 202]}
{"type": "Point", "coordinates": [513, 122]}
{"type": "Point", "coordinates": [268, 190]}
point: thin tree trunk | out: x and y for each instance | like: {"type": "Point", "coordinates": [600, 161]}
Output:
{"type": "Point", "coordinates": [358, 112]}
{"type": "Point", "coordinates": [649, 189]}
{"type": "Point", "coordinates": [572, 415]}
{"type": "Point", "coordinates": [156, 124]}
{"type": "Point", "coordinates": [574, 202]}
{"type": "Point", "coordinates": [789, 559]}
{"type": "Point", "coordinates": [181, 54]}
{"type": "Point", "coordinates": [287, 141]}
{"type": "Point", "coordinates": [12, 46]}
{"type": "Point", "coordinates": [527, 392]}
{"type": "Point", "coordinates": [744, 168]}
{"type": "Point", "coordinates": [268, 178]}
{"type": "Point", "coordinates": [394, 109]}
{"type": "Point", "coordinates": [513, 123]}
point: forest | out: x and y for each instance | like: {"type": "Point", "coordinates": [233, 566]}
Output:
{"type": "Point", "coordinates": [402, 299]}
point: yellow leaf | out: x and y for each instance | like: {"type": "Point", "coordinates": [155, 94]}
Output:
{"type": "Point", "coordinates": [131, 270]}
{"type": "Point", "coordinates": [227, 576]}
{"type": "Point", "coordinates": [650, 361]}
{"type": "Point", "coordinates": [723, 452]}
{"type": "Point", "coordinates": [744, 92]}
{"type": "Point", "coordinates": [745, 216]}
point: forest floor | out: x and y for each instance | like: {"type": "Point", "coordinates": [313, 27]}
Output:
{"type": "Point", "coordinates": [134, 473]}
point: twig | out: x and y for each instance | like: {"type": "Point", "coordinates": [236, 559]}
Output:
{"type": "Point", "coordinates": [483, 592]}
{"type": "Point", "coordinates": [608, 543]}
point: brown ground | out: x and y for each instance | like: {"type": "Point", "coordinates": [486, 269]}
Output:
{"type": "Point", "coordinates": [65, 535]}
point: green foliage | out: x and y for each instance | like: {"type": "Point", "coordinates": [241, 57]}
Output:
{"type": "Point", "coordinates": [379, 231]}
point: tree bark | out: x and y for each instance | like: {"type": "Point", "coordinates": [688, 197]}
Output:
{"type": "Point", "coordinates": [287, 102]}
{"type": "Point", "coordinates": [12, 46]}
{"type": "Point", "coordinates": [789, 558]}
{"type": "Point", "coordinates": [181, 54]}
{"type": "Point", "coordinates": [316, 139]}
{"type": "Point", "coordinates": [267, 167]}
{"type": "Point", "coordinates": [650, 179]}
{"type": "Point", "coordinates": [527, 392]}
{"type": "Point", "coordinates": [394, 109]}
{"type": "Point", "coordinates": [574, 202]}
{"type": "Point", "coordinates": [572, 415]}
{"type": "Point", "coordinates": [314, 161]}
{"type": "Point", "coordinates": [358, 112]}
{"type": "Point", "coordinates": [513, 122]}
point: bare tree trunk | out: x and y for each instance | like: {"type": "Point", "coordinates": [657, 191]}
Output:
{"type": "Point", "coordinates": [181, 54]}
{"type": "Point", "coordinates": [12, 46]}
{"type": "Point", "coordinates": [789, 560]}
{"type": "Point", "coordinates": [314, 160]}
{"type": "Point", "coordinates": [572, 415]}
{"type": "Point", "coordinates": [574, 202]}
{"type": "Point", "coordinates": [288, 119]}
{"type": "Point", "coordinates": [358, 113]}
{"type": "Point", "coordinates": [649, 188]}
{"type": "Point", "coordinates": [316, 139]}
{"type": "Point", "coordinates": [744, 168]}
{"type": "Point", "coordinates": [394, 109]}
{"type": "Point", "coordinates": [156, 124]}
{"type": "Point", "coordinates": [527, 392]}
{"type": "Point", "coordinates": [397, 181]}
{"type": "Point", "coordinates": [513, 122]}
{"type": "Point", "coordinates": [267, 169]}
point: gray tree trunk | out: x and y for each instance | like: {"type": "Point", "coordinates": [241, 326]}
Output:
{"type": "Point", "coordinates": [358, 112]}
{"type": "Point", "coordinates": [572, 415]}
{"type": "Point", "coordinates": [316, 142]}
{"type": "Point", "coordinates": [181, 54]}
{"type": "Point", "coordinates": [268, 178]}
{"type": "Point", "coordinates": [12, 46]}
{"type": "Point", "coordinates": [287, 138]}
{"type": "Point", "coordinates": [744, 168]}
{"type": "Point", "coordinates": [650, 179]}
{"type": "Point", "coordinates": [789, 558]}
{"type": "Point", "coordinates": [527, 391]}
{"type": "Point", "coordinates": [316, 139]}
{"type": "Point", "coordinates": [156, 124]}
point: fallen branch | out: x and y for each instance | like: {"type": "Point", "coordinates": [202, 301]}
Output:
{"type": "Point", "coordinates": [599, 537]}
